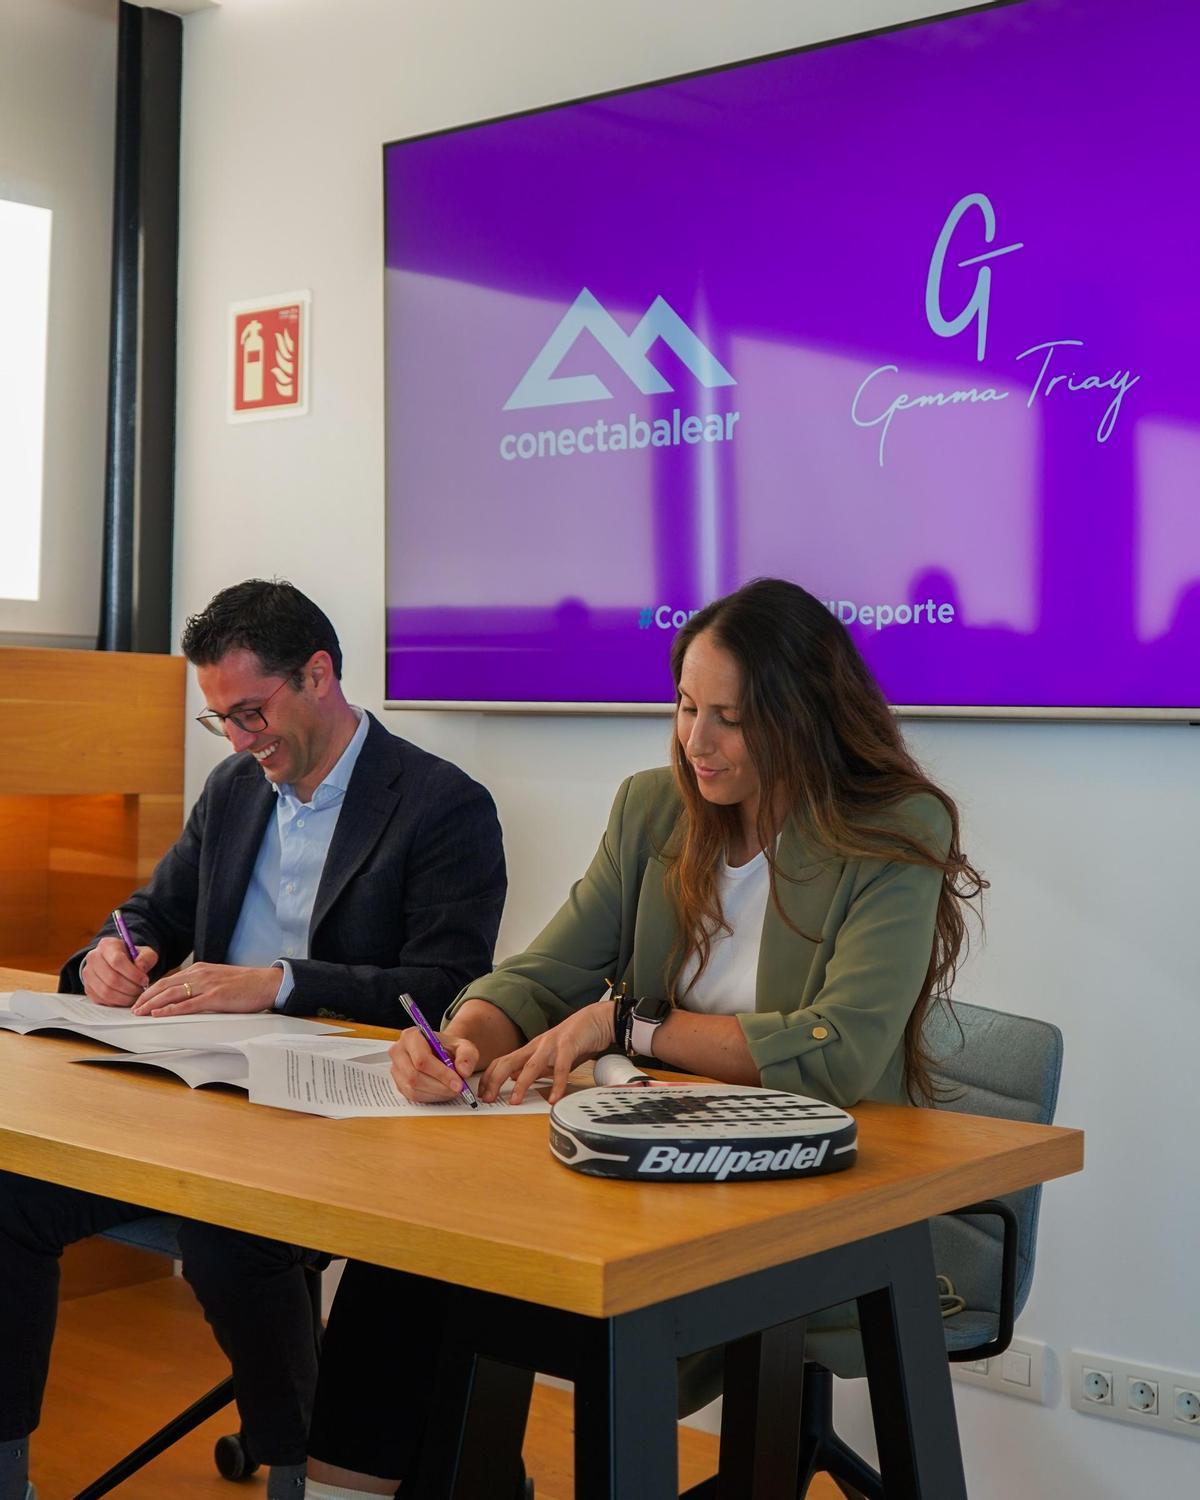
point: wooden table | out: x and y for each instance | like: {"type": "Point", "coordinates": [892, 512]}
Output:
{"type": "Point", "coordinates": [644, 1273]}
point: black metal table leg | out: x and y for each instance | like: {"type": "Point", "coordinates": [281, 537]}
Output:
{"type": "Point", "coordinates": [624, 1370]}
{"type": "Point", "coordinates": [625, 1411]}
{"type": "Point", "coordinates": [911, 1399]}
{"type": "Point", "coordinates": [760, 1429]}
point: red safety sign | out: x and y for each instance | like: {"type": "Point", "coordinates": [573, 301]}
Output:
{"type": "Point", "coordinates": [270, 357]}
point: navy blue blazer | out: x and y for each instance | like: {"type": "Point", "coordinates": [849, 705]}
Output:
{"type": "Point", "coordinates": [409, 900]}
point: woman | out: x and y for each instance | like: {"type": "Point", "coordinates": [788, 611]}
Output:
{"type": "Point", "coordinates": [783, 904]}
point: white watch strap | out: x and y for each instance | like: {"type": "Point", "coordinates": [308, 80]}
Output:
{"type": "Point", "coordinates": [641, 1036]}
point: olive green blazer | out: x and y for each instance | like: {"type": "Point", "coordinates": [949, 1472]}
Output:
{"type": "Point", "coordinates": [832, 999]}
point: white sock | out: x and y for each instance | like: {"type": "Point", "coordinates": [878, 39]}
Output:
{"type": "Point", "coordinates": [315, 1490]}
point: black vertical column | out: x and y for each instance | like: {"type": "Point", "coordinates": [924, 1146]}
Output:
{"type": "Point", "coordinates": [139, 494]}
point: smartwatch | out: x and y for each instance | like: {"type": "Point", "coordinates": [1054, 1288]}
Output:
{"type": "Point", "coordinates": [645, 1018]}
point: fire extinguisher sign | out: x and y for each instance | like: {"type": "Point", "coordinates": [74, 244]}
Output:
{"type": "Point", "coordinates": [268, 357]}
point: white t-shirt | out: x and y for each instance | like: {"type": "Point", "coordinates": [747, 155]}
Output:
{"type": "Point", "coordinates": [728, 983]}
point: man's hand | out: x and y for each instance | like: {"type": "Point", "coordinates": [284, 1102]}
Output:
{"type": "Point", "coordinates": [587, 1033]}
{"type": "Point", "coordinates": [110, 976]}
{"type": "Point", "coordinates": [211, 987]}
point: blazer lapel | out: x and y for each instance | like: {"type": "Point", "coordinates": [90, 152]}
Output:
{"type": "Point", "coordinates": [367, 809]}
{"type": "Point", "coordinates": [654, 933]}
{"type": "Point", "coordinates": [785, 955]}
{"type": "Point", "coordinates": [248, 809]}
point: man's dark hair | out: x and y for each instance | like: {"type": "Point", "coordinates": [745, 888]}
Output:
{"type": "Point", "coordinates": [270, 617]}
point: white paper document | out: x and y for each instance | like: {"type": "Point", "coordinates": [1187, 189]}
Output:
{"type": "Point", "coordinates": [332, 1076]}
{"type": "Point", "coordinates": [195, 1065]}
{"type": "Point", "coordinates": [340, 1077]}
{"type": "Point", "coordinates": [220, 1033]}
{"type": "Point", "coordinates": [25, 1011]}
{"type": "Point", "coordinates": [29, 1005]}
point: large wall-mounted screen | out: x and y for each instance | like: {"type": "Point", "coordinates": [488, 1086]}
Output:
{"type": "Point", "coordinates": [910, 319]}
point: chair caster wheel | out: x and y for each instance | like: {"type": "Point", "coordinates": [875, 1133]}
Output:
{"type": "Point", "coordinates": [233, 1458]}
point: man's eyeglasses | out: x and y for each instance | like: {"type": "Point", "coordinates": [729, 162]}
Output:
{"type": "Point", "coordinates": [248, 720]}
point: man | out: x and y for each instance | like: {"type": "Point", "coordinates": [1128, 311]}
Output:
{"type": "Point", "coordinates": [327, 867]}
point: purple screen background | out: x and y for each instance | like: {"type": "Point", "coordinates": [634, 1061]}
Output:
{"type": "Point", "coordinates": [788, 211]}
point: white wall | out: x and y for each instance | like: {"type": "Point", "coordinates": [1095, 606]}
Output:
{"type": "Point", "coordinates": [58, 62]}
{"type": "Point", "coordinates": [1087, 832]}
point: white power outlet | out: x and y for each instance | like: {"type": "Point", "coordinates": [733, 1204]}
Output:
{"type": "Point", "coordinates": [1142, 1395]}
{"type": "Point", "coordinates": [1165, 1400]}
{"type": "Point", "coordinates": [1097, 1386]}
{"type": "Point", "coordinates": [1187, 1406]}
{"type": "Point", "coordinates": [1019, 1371]}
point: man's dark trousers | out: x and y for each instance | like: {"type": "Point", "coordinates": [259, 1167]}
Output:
{"type": "Point", "coordinates": [276, 1369]}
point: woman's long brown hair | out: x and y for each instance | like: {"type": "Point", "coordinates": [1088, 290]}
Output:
{"type": "Point", "coordinates": [827, 748]}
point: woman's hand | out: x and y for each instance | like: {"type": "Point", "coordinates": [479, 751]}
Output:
{"type": "Point", "coordinates": [478, 1032]}
{"type": "Point", "coordinates": [421, 1076]}
{"type": "Point", "coordinates": [587, 1033]}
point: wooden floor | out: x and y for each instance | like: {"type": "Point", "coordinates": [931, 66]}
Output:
{"type": "Point", "coordinates": [125, 1361]}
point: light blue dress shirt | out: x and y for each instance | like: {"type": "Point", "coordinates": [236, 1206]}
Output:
{"type": "Point", "coordinates": [278, 906]}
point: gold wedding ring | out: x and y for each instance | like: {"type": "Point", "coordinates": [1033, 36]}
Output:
{"type": "Point", "coordinates": [187, 989]}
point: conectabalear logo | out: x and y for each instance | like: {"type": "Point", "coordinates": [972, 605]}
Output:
{"type": "Point", "coordinates": [541, 386]}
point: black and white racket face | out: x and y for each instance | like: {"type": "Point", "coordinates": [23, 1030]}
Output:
{"type": "Point", "coordinates": [700, 1132]}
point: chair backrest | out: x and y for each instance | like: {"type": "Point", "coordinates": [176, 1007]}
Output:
{"type": "Point", "coordinates": [157, 1232]}
{"type": "Point", "coordinates": [989, 1062]}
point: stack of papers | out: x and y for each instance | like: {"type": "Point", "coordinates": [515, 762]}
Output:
{"type": "Point", "coordinates": [26, 1010]}
{"type": "Point", "coordinates": [287, 1062]}
{"type": "Point", "coordinates": [340, 1077]}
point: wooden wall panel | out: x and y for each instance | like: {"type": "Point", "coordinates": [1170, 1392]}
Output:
{"type": "Point", "coordinates": [91, 791]}
{"type": "Point", "coordinates": [92, 865]}
{"type": "Point", "coordinates": [24, 844]}
{"type": "Point", "coordinates": [159, 821]}
{"type": "Point", "coordinates": [90, 721]}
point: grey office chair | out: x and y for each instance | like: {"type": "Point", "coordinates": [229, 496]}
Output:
{"type": "Point", "coordinates": [160, 1234]}
{"type": "Point", "coordinates": [986, 1062]}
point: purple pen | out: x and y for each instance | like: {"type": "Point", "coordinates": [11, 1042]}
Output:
{"type": "Point", "coordinates": [123, 933]}
{"type": "Point", "coordinates": [130, 945]}
{"type": "Point", "coordinates": [423, 1026]}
